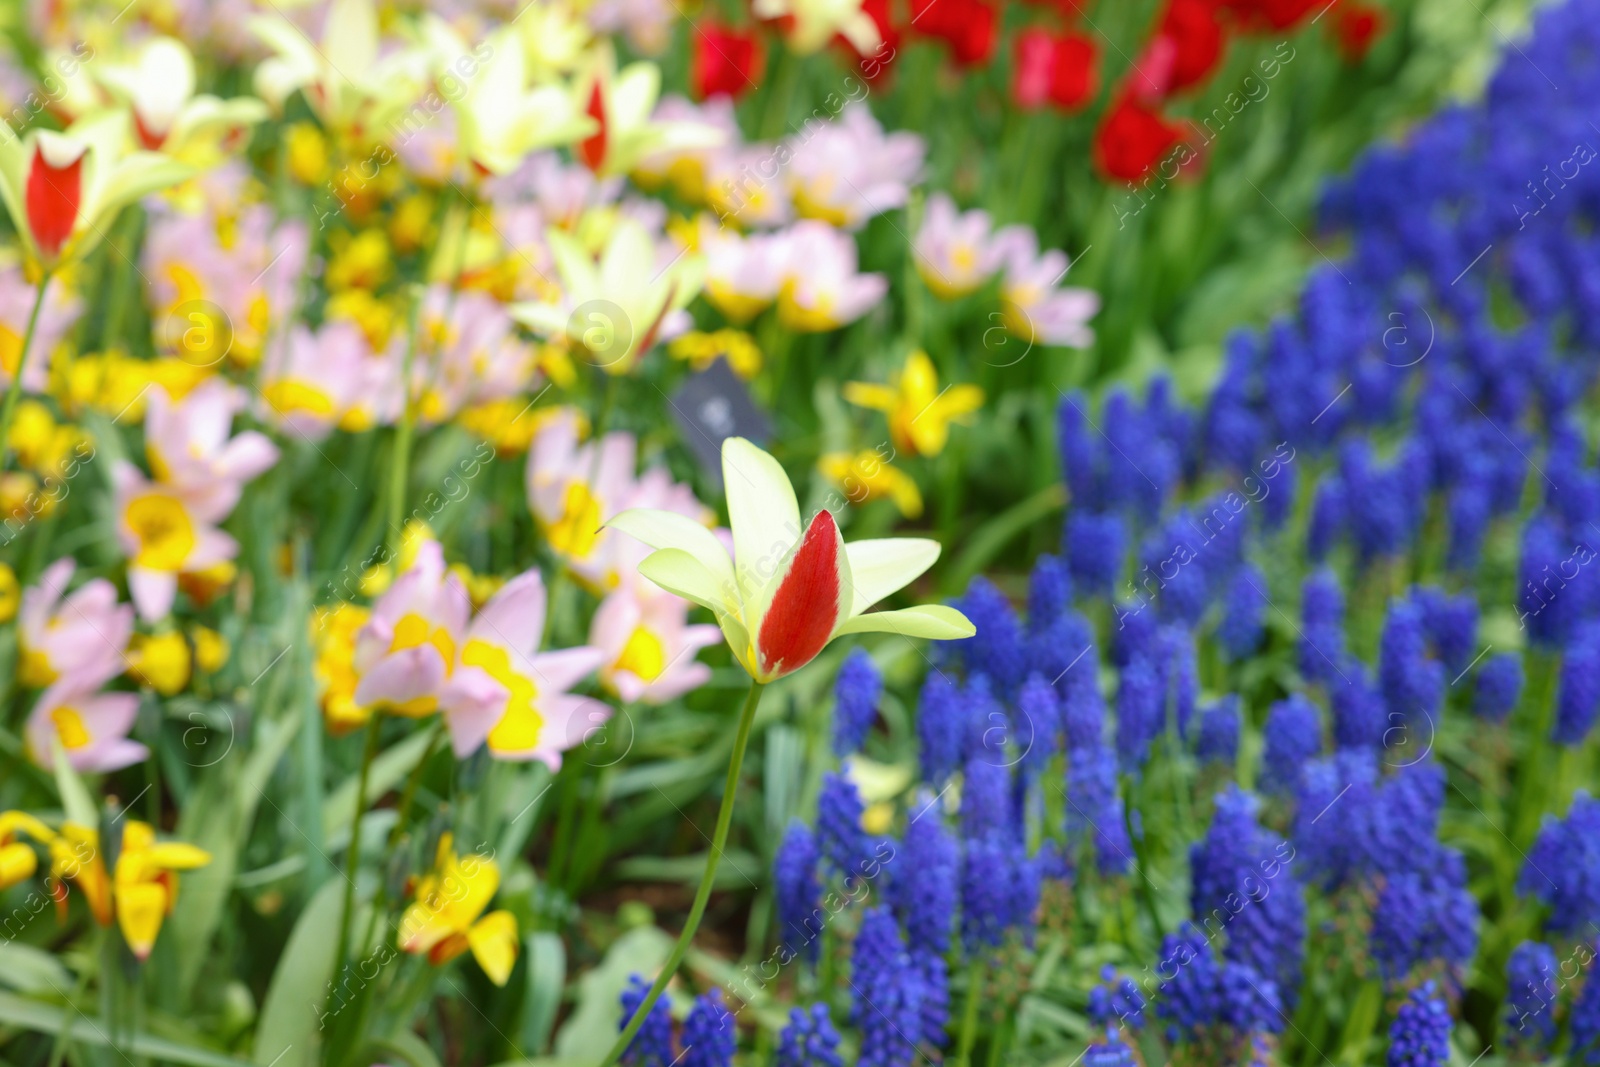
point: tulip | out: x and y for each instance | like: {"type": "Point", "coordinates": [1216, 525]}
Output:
{"type": "Point", "coordinates": [82, 635]}
{"type": "Point", "coordinates": [407, 649]}
{"type": "Point", "coordinates": [616, 309]}
{"type": "Point", "coordinates": [969, 27]}
{"type": "Point", "coordinates": [920, 413]}
{"type": "Point", "coordinates": [1132, 138]}
{"type": "Point", "coordinates": [166, 531]}
{"type": "Point", "coordinates": [167, 114]}
{"type": "Point", "coordinates": [18, 860]}
{"type": "Point", "coordinates": [1354, 27]}
{"type": "Point", "coordinates": [726, 62]}
{"type": "Point", "coordinates": [622, 106]}
{"type": "Point", "coordinates": [503, 690]}
{"type": "Point", "coordinates": [444, 920]}
{"type": "Point", "coordinates": [784, 594]}
{"type": "Point", "coordinates": [808, 25]}
{"type": "Point", "coordinates": [90, 727]}
{"type": "Point", "coordinates": [647, 645]}
{"type": "Point", "coordinates": [143, 888]}
{"type": "Point", "coordinates": [953, 251]}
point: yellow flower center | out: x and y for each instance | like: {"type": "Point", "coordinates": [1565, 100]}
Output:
{"type": "Point", "coordinates": [290, 395]}
{"type": "Point", "coordinates": [34, 669]}
{"type": "Point", "coordinates": [10, 350]}
{"type": "Point", "coordinates": [163, 529]}
{"type": "Point", "coordinates": [521, 724]}
{"type": "Point", "coordinates": [575, 533]}
{"type": "Point", "coordinates": [69, 727]}
{"type": "Point", "coordinates": [963, 257]}
{"type": "Point", "coordinates": [643, 655]}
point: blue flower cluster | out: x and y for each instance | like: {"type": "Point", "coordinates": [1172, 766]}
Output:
{"type": "Point", "coordinates": [710, 1037]}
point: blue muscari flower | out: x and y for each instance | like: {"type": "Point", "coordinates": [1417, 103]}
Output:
{"type": "Point", "coordinates": [1425, 917]}
{"type": "Point", "coordinates": [888, 993]}
{"type": "Point", "coordinates": [1321, 626]}
{"type": "Point", "coordinates": [1412, 685]}
{"type": "Point", "coordinates": [1410, 801]}
{"type": "Point", "coordinates": [1563, 868]}
{"type": "Point", "coordinates": [1199, 992]}
{"type": "Point", "coordinates": [710, 1037]}
{"type": "Point", "coordinates": [1330, 515]}
{"type": "Point", "coordinates": [797, 890]}
{"type": "Point", "coordinates": [1181, 667]}
{"type": "Point", "coordinates": [652, 1042]}
{"type": "Point", "coordinates": [988, 727]}
{"type": "Point", "coordinates": [1116, 1001]}
{"type": "Point", "coordinates": [1061, 648]}
{"type": "Point", "coordinates": [1039, 725]}
{"type": "Point", "coordinates": [1585, 1023]}
{"type": "Point", "coordinates": [1248, 1001]}
{"type": "Point", "coordinates": [1054, 863]}
{"type": "Point", "coordinates": [1360, 719]}
{"type": "Point", "coordinates": [1049, 592]}
{"type": "Point", "coordinates": [1266, 931]}
{"type": "Point", "coordinates": [1451, 623]}
{"type": "Point", "coordinates": [997, 649]}
{"type": "Point", "coordinates": [1340, 831]}
{"type": "Point", "coordinates": [1243, 613]}
{"type": "Point", "coordinates": [1292, 735]}
{"type": "Point", "coordinates": [999, 890]}
{"type": "Point", "coordinates": [1173, 562]}
{"type": "Point", "coordinates": [934, 975]}
{"type": "Point", "coordinates": [856, 693]}
{"type": "Point", "coordinates": [1499, 686]}
{"type": "Point", "coordinates": [1136, 634]}
{"type": "Point", "coordinates": [1544, 599]}
{"type": "Point", "coordinates": [941, 728]}
{"type": "Point", "coordinates": [1531, 990]}
{"type": "Point", "coordinates": [1096, 546]}
{"type": "Point", "coordinates": [1420, 1036]}
{"type": "Point", "coordinates": [1094, 808]}
{"type": "Point", "coordinates": [1278, 504]}
{"type": "Point", "coordinates": [1112, 1052]}
{"type": "Point", "coordinates": [1141, 711]}
{"type": "Point", "coordinates": [843, 844]}
{"type": "Point", "coordinates": [1578, 695]}
{"type": "Point", "coordinates": [926, 894]}
{"type": "Point", "coordinates": [1081, 452]}
{"type": "Point", "coordinates": [986, 806]}
{"type": "Point", "coordinates": [1219, 732]}
{"type": "Point", "coordinates": [1083, 709]}
{"type": "Point", "coordinates": [809, 1040]}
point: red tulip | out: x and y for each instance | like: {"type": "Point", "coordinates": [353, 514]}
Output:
{"type": "Point", "coordinates": [875, 65]}
{"type": "Point", "coordinates": [1197, 36]}
{"type": "Point", "coordinates": [1033, 68]}
{"type": "Point", "coordinates": [970, 27]}
{"type": "Point", "coordinates": [1057, 70]}
{"type": "Point", "coordinates": [1354, 27]}
{"type": "Point", "coordinates": [1271, 14]}
{"type": "Point", "coordinates": [1132, 138]}
{"type": "Point", "coordinates": [726, 61]}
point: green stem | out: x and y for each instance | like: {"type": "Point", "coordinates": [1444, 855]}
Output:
{"type": "Point", "coordinates": [775, 117]}
{"type": "Point", "coordinates": [969, 1017]}
{"type": "Point", "coordinates": [399, 468]}
{"type": "Point", "coordinates": [747, 718]}
{"type": "Point", "coordinates": [14, 390]}
{"type": "Point", "coordinates": [352, 855]}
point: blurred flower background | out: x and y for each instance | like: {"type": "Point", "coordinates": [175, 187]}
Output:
{"type": "Point", "coordinates": [807, 533]}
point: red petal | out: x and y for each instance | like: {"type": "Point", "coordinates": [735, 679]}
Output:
{"type": "Point", "coordinates": [592, 150]}
{"type": "Point", "coordinates": [147, 136]}
{"type": "Point", "coordinates": [54, 195]}
{"type": "Point", "coordinates": [805, 608]}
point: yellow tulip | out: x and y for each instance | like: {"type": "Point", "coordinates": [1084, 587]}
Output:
{"type": "Point", "coordinates": [18, 860]}
{"type": "Point", "coordinates": [161, 661]}
{"type": "Point", "coordinates": [211, 649]}
{"type": "Point", "coordinates": [444, 920]}
{"type": "Point", "coordinates": [144, 887]}
{"type": "Point", "coordinates": [864, 476]}
{"type": "Point", "coordinates": [920, 413]}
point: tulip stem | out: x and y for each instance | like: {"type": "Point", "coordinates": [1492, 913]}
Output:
{"type": "Point", "coordinates": [14, 390]}
{"type": "Point", "coordinates": [747, 718]}
{"type": "Point", "coordinates": [400, 463]}
{"type": "Point", "coordinates": [352, 855]}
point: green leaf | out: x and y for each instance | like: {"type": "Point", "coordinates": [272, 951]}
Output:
{"type": "Point", "coordinates": [590, 1032]}
{"type": "Point", "coordinates": [49, 1019]}
{"type": "Point", "coordinates": [989, 539]}
{"type": "Point", "coordinates": [388, 769]}
{"type": "Point", "coordinates": [403, 1045]}
{"type": "Point", "coordinates": [547, 976]}
{"type": "Point", "coordinates": [31, 970]}
{"type": "Point", "coordinates": [75, 799]}
{"type": "Point", "coordinates": [290, 1022]}
{"type": "Point", "coordinates": [217, 818]}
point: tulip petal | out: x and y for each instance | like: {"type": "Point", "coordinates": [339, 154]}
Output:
{"type": "Point", "coordinates": [140, 909]}
{"type": "Point", "coordinates": [887, 565]}
{"type": "Point", "coordinates": [493, 940]}
{"type": "Point", "coordinates": [762, 510]}
{"type": "Point", "coordinates": [806, 602]}
{"type": "Point", "coordinates": [668, 529]}
{"type": "Point", "coordinates": [681, 574]}
{"type": "Point", "coordinates": [934, 621]}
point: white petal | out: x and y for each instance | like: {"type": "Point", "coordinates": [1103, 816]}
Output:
{"type": "Point", "coordinates": [668, 529]}
{"type": "Point", "coordinates": [934, 621]}
{"type": "Point", "coordinates": [762, 511]}
{"type": "Point", "coordinates": [887, 565]}
{"type": "Point", "coordinates": [681, 574]}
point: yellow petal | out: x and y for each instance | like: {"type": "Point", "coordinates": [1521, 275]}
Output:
{"type": "Point", "coordinates": [140, 909]}
{"type": "Point", "coordinates": [494, 945]}
{"type": "Point", "coordinates": [11, 822]}
{"type": "Point", "coordinates": [869, 395]}
{"type": "Point", "coordinates": [17, 864]}
{"type": "Point", "coordinates": [176, 856]}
